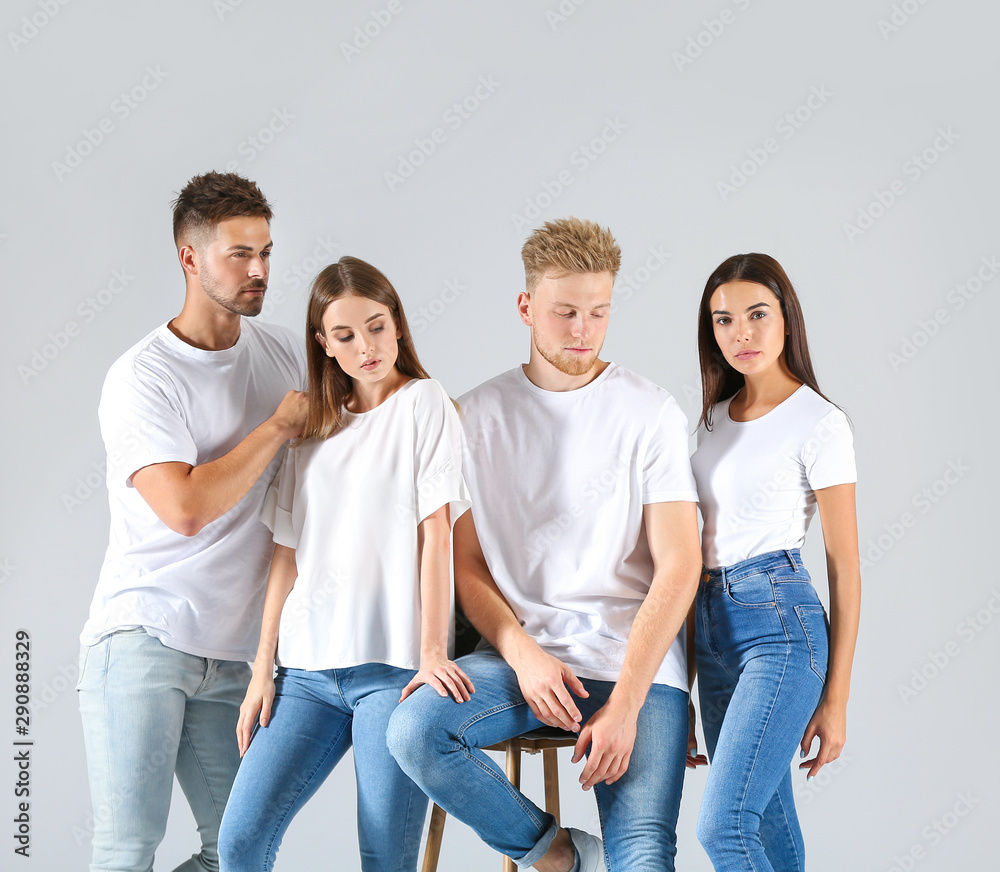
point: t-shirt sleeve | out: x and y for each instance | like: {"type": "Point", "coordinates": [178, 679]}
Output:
{"type": "Point", "coordinates": [438, 453]}
{"type": "Point", "coordinates": [667, 476]}
{"type": "Point", "coordinates": [276, 512]}
{"type": "Point", "coordinates": [141, 425]}
{"type": "Point", "coordinates": [828, 453]}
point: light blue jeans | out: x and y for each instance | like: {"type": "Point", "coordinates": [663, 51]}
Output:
{"type": "Point", "coordinates": [150, 712]}
{"type": "Point", "coordinates": [315, 718]}
{"type": "Point", "coordinates": [762, 639]}
{"type": "Point", "coordinates": [437, 742]}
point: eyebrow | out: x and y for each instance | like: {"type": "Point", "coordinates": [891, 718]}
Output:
{"type": "Point", "coordinates": [239, 247]}
{"type": "Point", "coordinates": [726, 312]}
{"type": "Point", "coordinates": [370, 318]}
{"type": "Point", "coordinates": [575, 306]}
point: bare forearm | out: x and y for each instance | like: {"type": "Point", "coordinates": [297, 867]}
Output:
{"type": "Point", "coordinates": [435, 592]}
{"type": "Point", "coordinates": [845, 614]}
{"type": "Point", "coordinates": [280, 582]}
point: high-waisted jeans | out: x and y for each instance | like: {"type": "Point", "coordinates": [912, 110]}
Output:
{"type": "Point", "coordinates": [762, 640]}
{"type": "Point", "coordinates": [315, 718]}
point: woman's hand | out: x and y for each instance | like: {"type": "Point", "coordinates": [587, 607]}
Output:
{"type": "Point", "coordinates": [693, 759]}
{"type": "Point", "coordinates": [829, 725]}
{"type": "Point", "coordinates": [445, 676]}
{"type": "Point", "coordinates": [256, 705]}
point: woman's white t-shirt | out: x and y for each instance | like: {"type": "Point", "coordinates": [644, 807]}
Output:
{"type": "Point", "coordinates": [756, 478]}
{"type": "Point", "coordinates": [349, 505]}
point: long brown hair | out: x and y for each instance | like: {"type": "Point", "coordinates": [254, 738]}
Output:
{"type": "Point", "coordinates": [719, 381]}
{"type": "Point", "coordinates": [329, 386]}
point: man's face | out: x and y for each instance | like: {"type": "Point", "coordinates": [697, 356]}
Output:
{"type": "Point", "coordinates": [233, 267]}
{"type": "Point", "coordinates": [568, 317]}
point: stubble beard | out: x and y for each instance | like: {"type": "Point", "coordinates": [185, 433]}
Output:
{"type": "Point", "coordinates": [563, 361]}
{"type": "Point", "coordinates": [249, 307]}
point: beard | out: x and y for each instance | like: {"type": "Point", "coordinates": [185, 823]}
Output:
{"type": "Point", "coordinates": [235, 303]}
{"type": "Point", "coordinates": [570, 364]}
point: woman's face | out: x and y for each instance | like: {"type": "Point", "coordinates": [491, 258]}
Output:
{"type": "Point", "coordinates": [749, 326]}
{"type": "Point", "coordinates": [361, 336]}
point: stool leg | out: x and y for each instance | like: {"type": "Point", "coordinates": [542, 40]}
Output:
{"type": "Point", "coordinates": [514, 777]}
{"type": "Point", "coordinates": [435, 832]}
{"type": "Point", "coordinates": [550, 767]}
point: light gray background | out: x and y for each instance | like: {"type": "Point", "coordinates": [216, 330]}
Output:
{"type": "Point", "coordinates": [211, 76]}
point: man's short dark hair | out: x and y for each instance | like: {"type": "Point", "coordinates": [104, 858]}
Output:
{"type": "Point", "coordinates": [213, 197]}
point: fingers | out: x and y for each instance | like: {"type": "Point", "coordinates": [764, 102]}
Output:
{"type": "Point", "coordinates": [412, 686]}
{"type": "Point", "coordinates": [447, 679]}
{"type": "Point", "coordinates": [569, 678]}
{"type": "Point", "coordinates": [607, 765]}
{"type": "Point", "coordinates": [693, 759]}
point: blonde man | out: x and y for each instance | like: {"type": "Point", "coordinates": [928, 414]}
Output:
{"type": "Point", "coordinates": [577, 565]}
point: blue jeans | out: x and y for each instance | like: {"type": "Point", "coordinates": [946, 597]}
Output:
{"type": "Point", "coordinates": [437, 742]}
{"type": "Point", "coordinates": [316, 716]}
{"type": "Point", "coordinates": [150, 712]}
{"type": "Point", "coordinates": [762, 639]}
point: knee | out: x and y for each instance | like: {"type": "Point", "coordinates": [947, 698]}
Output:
{"type": "Point", "coordinates": [237, 846]}
{"type": "Point", "coordinates": [413, 734]}
{"type": "Point", "coordinates": [720, 831]}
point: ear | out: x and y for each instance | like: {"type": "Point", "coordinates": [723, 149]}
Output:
{"type": "Point", "coordinates": [321, 339]}
{"type": "Point", "coordinates": [189, 259]}
{"type": "Point", "coordinates": [524, 307]}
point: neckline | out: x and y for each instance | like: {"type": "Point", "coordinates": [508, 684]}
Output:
{"type": "Point", "coordinates": [576, 392]}
{"type": "Point", "coordinates": [386, 401]}
{"type": "Point", "coordinates": [175, 342]}
{"type": "Point", "coordinates": [729, 403]}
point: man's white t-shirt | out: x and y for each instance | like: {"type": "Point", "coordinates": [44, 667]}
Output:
{"type": "Point", "coordinates": [756, 478]}
{"type": "Point", "coordinates": [349, 505]}
{"type": "Point", "coordinates": [558, 483]}
{"type": "Point", "coordinates": [165, 400]}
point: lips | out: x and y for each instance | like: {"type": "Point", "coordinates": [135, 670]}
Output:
{"type": "Point", "coordinates": [747, 355]}
{"type": "Point", "coordinates": [369, 365]}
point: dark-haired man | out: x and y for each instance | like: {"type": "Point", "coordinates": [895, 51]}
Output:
{"type": "Point", "coordinates": [193, 418]}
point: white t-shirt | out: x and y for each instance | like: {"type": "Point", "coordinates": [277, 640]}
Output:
{"type": "Point", "coordinates": [165, 400]}
{"type": "Point", "coordinates": [349, 505]}
{"type": "Point", "coordinates": [558, 483]}
{"type": "Point", "coordinates": [756, 478]}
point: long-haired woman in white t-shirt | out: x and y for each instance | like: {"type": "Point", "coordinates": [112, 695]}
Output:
{"type": "Point", "coordinates": [773, 672]}
{"type": "Point", "coordinates": [357, 609]}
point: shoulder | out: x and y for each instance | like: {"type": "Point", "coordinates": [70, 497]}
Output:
{"type": "Point", "coordinates": [814, 411]}
{"type": "Point", "coordinates": [272, 336]}
{"type": "Point", "coordinates": [144, 364]}
{"type": "Point", "coordinates": [641, 395]}
{"type": "Point", "coordinates": [492, 391]}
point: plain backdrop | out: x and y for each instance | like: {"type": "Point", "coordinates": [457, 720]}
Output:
{"type": "Point", "coordinates": [856, 142]}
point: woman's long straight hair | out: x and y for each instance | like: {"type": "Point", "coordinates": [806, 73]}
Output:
{"type": "Point", "coordinates": [329, 386]}
{"type": "Point", "coordinates": [719, 381]}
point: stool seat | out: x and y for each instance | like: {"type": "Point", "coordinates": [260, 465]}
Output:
{"type": "Point", "coordinates": [546, 740]}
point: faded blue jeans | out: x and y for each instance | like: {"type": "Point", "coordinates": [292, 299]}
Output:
{"type": "Point", "coordinates": [316, 716]}
{"type": "Point", "coordinates": [149, 712]}
{"type": "Point", "coordinates": [437, 742]}
{"type": "Point", "coordinates": [762, 639]}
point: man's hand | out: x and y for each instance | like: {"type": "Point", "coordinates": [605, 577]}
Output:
{"type": "Point", "coordinates": [610, 735]}
{"type": "Point", "coordinates": [546, 685]}
{"type": "Point", "coordinates": [290, 415]}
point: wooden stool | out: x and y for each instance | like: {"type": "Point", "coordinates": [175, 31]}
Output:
{"type": "Point", "coordinates": [546, 740]}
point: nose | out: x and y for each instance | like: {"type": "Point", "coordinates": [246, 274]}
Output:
{"type": "Point", "coordinates": [257, 267]}
{"type": "Point", "coordinates": [743, 330]}
{"type": "Point", "coordinates": [579, 327]}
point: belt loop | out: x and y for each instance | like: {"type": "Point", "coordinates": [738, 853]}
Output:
{"type": "Point", "coordinates": [791, 560]}
{"type": "Point", "coordinates": [725, 580]}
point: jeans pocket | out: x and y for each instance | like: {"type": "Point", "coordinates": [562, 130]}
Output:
{"type": "Point", "coordinates": [817, 633]}
{"type": "Point", "coordinates": [754, 591]}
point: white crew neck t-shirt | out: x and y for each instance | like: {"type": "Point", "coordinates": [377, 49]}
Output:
{"type": "Point", "coordinates": [756, 478]}
{"type": "Point", "coordinates": [164, 400]}
{"type": "Point", "coordinates": [558, 483]}
{"type": "Point", "coordinates": [349, 505]}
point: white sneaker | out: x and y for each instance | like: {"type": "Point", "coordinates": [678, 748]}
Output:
{"type": "Point", "coordinates": [589, 850]}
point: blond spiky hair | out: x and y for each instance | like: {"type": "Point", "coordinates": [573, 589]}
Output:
{"type": "Point", "coordinates": [568, 246]}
